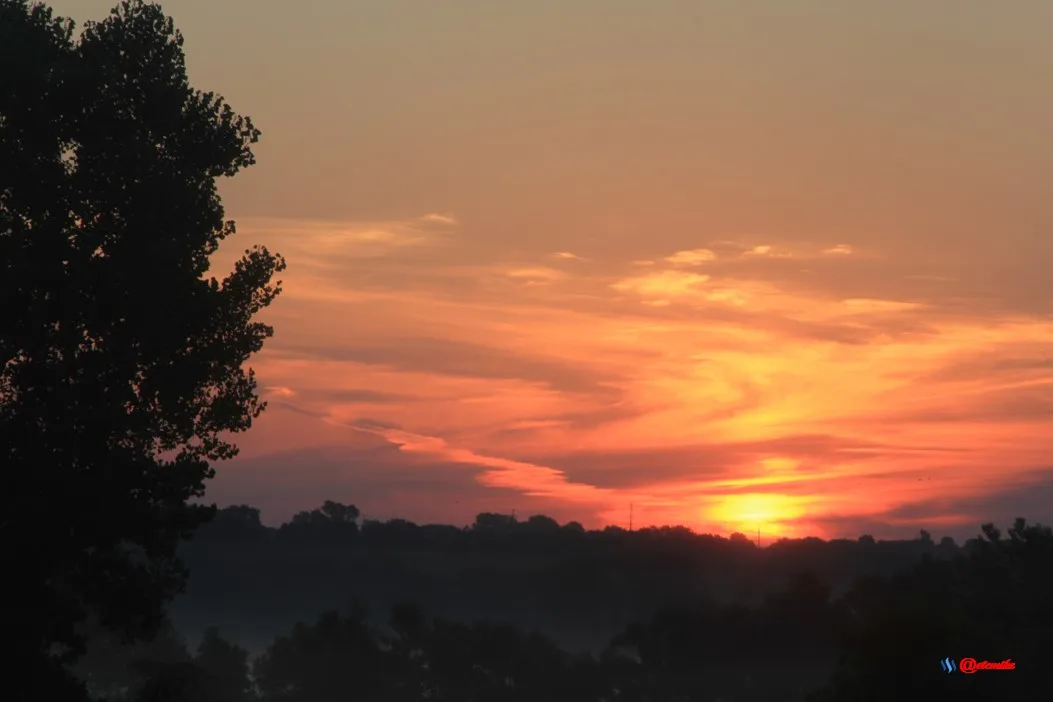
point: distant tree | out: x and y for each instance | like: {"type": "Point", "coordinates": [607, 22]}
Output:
{"type": "Point", "coordinates": [990, 602]}
{"type": "Point", "coordinates": [490, 521]}
{"type": "Point", "coordinates": [866, 540]}
{"type": "Point", "coordinates": [224, 668]}
{"type": "Point", "coordinates": [540, 522]}
{"type": "Point", "coordinates": [179, 682]}
{"type": "Point", "coordinates": [340, 513]}
{"type": "Point", "coordinates": [494, 661]}
{"type": "Point", "coordinates": [113, 667]}
{"type": "Point", "coordinates": [238, 515]}
{"type": "Point", "coordinates": [237, 522]}
{"type": "Point", "coordinates": [329, 514]}
{"type": "Point", "coordinates": [802, 612]}
{"type": "Point", "coordinates": [410, 625]}
{"type": "Point", "coordinates": [947, 548]}
{"type": "Point", "coordinates": [336, 658]}
{"type": "Point", "coordinates": [739, 538]}
{"type": "Point", "coordinates": [121, 361]}
{"type": "Point", "coordinates": [677, 532]}
{"type": "Point", "coordinates": [162, 670]}
{"type": "Point", "coordinates": [393, 533]}
{"type": "Point", "coordinates": [333, 523]}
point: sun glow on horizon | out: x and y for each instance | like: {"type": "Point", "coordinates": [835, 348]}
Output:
{"type": "Point", "coordinates": [771, 514]}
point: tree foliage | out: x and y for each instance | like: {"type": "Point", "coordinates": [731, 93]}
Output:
{"type": "Point", "coordinates": [990, 602]}
{"type": "Point", "coordinates": [121, 360]}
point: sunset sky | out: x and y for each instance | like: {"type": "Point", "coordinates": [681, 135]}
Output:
{"type": "Point", "coordinates": [745, 265]}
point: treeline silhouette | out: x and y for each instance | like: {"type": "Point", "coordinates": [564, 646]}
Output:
{"type": "Point", "coordinates": [810, 619]}
{"type": "Point", "coordinates": [580, 587]}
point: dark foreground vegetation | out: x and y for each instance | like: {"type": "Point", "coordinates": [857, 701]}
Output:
{"type": "Point", "coordinates": [698, 617]}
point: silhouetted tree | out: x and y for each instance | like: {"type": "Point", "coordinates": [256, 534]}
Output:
{"type": "Point", "coordinates": [332, 523]}
{"type": "Point", "coordinates": [238, 516]}
{"type": "Point", "coordinates": [990, 602]}
{"type": "Point", "coordinates": [114, 667]}
{"type": "Point", "coordinates": [336, 658]}
{"type": "Point", "coordinates": [225, 669]}
{"type": "Point", "coordinates": [739, 538]}
{"type": "Point", "coordinates": [541, 523]}
{"type": "Point", "coordinates": [179, 682]}
{"type": "Point", "coordinates": [121, 363]}
{"type": "Point", "coordinates": [339, 513]}
{"type": "Point", "coordinates": [491, 521]}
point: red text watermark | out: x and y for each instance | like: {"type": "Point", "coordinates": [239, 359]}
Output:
{"type": "Point", "coordinates": [971, 665]}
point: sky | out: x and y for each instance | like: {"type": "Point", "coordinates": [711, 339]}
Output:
{"type": "Point", "coordinates": [743, 266]}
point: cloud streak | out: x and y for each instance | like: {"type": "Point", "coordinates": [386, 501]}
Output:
{"type": "Point", "coordinates": [730, 386]}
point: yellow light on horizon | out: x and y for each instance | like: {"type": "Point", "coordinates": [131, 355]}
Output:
{"type": "Point", "coordinates": [770, 513]}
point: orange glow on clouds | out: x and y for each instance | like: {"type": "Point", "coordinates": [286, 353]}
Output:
{"type": "Point", "coordinates": [757, 396]}
{"type": "Point", "coordinates": [678, 259]}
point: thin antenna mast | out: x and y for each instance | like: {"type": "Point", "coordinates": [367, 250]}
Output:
{"type": "Point", "coordinates": [630, 516]}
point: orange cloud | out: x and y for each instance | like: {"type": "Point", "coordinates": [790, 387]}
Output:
{"type": "Point", "coordinates": [442, 219]}
{"type": "Point", "coordinates": [323, 244]}
{"type": "Point", "coordinates": [662, 284]}
{"type": "Point", "coordinates": [692, 257]}
{"type": "Point", "coordinates": [537, 274]}
{"type": "Point", "coordinates": [752, 396]}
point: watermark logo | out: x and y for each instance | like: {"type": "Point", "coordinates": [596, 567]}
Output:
{"type": "Point", "coordinates": [968, 666]}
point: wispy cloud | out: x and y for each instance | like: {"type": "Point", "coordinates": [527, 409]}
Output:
{"type": "Point", "coordinates": [663, 284]}
{"type": "Point", "coordinates": [528, 478]}
{"type": "Point", "coordinates": [441, 219]}
{"type": "Point", "coordinates": [536, 274]}
{"type": "Point", "coordinates": [684, 391]}
{"type": "Point", "coordinates": [870, 305]}
{"type": "Point", "coordinates": [784, 251]}
{"type": "Point", "coordinates": [327, 243]}
{"type": "Point", "coordinates": [692, 257]}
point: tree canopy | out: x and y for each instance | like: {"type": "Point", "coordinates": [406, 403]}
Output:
{"type": "Point", "coordinates": [122, 362]}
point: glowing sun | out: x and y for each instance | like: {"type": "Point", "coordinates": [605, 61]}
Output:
{"type": "Point", "coordinates": [772, 514]}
